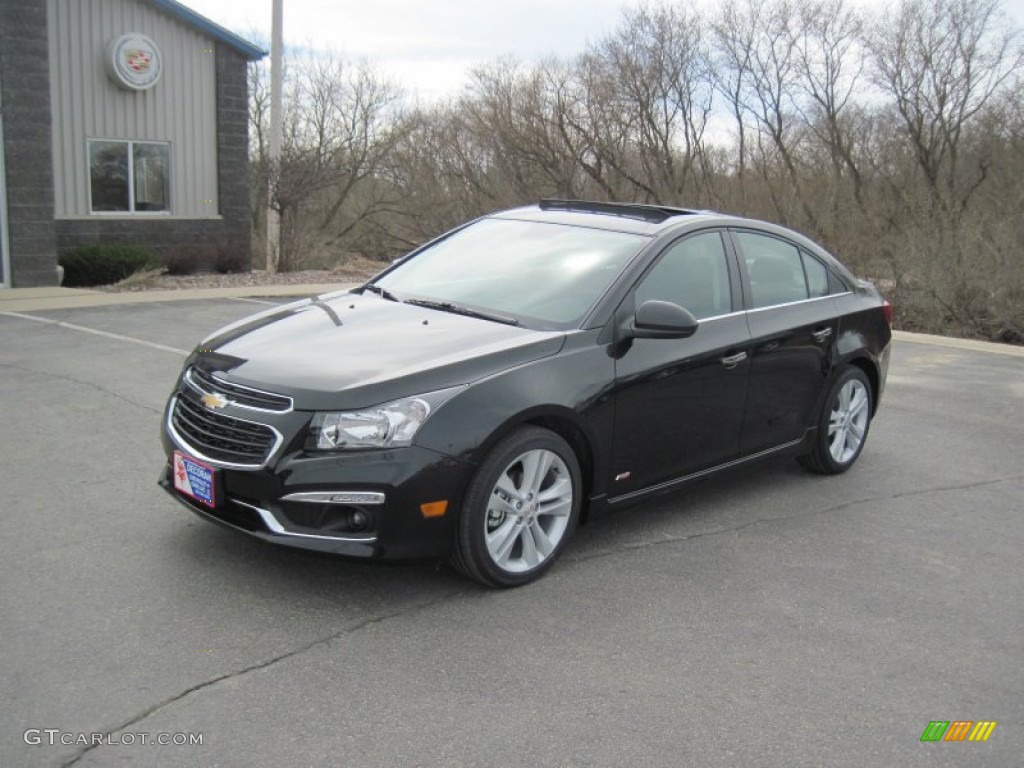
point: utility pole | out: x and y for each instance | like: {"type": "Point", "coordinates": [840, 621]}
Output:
{"type": "Point", "coordinates": [276, 86]}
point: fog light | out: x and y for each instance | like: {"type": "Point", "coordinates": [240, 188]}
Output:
{"type": "Point", "coordinates": [358, 520]}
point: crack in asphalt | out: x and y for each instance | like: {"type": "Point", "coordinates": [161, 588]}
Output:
{"type": "Point", "coordinates": [372, 620]}
{"type": "Point", "coordinates": [670, 539]}
{"type": "Point", "coordinates": [72, 379]}
{"type": "Point", "coordinates": [367, 622]}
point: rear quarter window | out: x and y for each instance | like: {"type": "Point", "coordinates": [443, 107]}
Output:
{"type": "Point", "coordinates": [836, 284]}
{"type": "Point", "coordinates": [817, 276]}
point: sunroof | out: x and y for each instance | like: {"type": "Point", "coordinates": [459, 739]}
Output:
{"type": "Point", "coordinates": [652, 213]}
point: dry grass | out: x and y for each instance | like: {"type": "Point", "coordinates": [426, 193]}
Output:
{"type": "Point", "coordinates": [143, 280]}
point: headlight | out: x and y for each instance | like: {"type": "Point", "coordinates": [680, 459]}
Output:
{"type": "Point", "coordinates": [390, 425]}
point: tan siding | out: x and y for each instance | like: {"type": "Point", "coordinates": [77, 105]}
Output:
{"type": "Point", "coordinates": [179, 109]}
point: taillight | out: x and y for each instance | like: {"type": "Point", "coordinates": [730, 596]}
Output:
{"type": "Point", "coordinates": [887, 309]}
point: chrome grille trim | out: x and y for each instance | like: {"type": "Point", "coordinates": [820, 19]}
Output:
{"type": "Point", "coordinates": [366, 498]}
{"type": "Point", "coordinates": [275, 527]}
{"type": "Point", "coordinates": [187, 446]}
{"type": "Point", "coordinates": [238, 395]}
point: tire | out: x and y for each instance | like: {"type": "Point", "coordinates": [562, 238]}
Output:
{"type": "Point", "coordinates": [520, 509]}
{"type": "Point", "coordinates": [843, 424]}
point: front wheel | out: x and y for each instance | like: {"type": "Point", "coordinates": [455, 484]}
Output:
{"type": "Point", "coordinates": [520, 509]}
{"type": "Point", "coordinates": [843, 424]}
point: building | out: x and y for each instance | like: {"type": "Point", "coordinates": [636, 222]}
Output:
{"type": "Point", "coordinates": [123, 121]}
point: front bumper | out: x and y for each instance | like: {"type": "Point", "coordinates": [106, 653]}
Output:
{"type": "Point", "coordinates": [365, 504]}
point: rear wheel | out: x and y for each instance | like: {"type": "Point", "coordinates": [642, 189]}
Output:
{"type": "Point", "coordinates": [520, 509]}
{"type": "Point", "coordinates": [843, 424]}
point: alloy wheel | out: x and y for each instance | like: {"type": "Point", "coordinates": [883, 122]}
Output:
{"type": "Point", "coordinates": [848, 422]}
{"type": "Point", "coordinates": [528, 510]}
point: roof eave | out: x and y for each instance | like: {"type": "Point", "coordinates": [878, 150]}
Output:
{"type": "Point", "coordinates": [188, 16]}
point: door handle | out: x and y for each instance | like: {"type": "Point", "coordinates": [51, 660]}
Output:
{"type": "Point", "coordinates": [822, 334]}
{"type": "Point", "coordinates": [731, 361]}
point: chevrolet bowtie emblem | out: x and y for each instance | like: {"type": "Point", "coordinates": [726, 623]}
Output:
{"type": "Point", "coordinates": [214, 400]}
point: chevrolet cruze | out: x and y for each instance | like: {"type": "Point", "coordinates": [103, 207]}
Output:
{"type": "Point", "coordinates": [487, 393]}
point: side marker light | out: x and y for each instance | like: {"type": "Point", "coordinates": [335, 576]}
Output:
{"type": "Point", "coordinates": [434, 509]}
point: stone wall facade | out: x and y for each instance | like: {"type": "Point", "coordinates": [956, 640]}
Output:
{"type": "Point", "coordinates": [28, 156]}
{"type": "Point", "coordinates": [233, 146]}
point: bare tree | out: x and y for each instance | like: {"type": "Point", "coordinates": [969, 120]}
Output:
{"type": "Point", "coordinates": [734, 30]}
{"type": "Point", "coordinates": [652, 77]}
{"type": "Point", "coordinates": [341, 121]}
{"type": "Point", "coordinates": [942, 62]}
{"type": "Point", "coordinates": [511, 110]}
{"type": "Point", "coordinates": [897, 138]}
{"type": "Point", "coordinates": [829, 64]}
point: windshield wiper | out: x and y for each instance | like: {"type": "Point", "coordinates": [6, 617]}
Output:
{"type": "Point", "coordinates": [458, 309]}
{"type": "Point", "coordinates": [383, 292]}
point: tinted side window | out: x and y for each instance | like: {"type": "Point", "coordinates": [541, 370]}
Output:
{"type": "Point", "coordinates": [837, 284]}
{"type": "Point", "coordinates": [692, 273]}
{"type": "Point", "coordinates": [775, 269]}
{"type": "Point", "coordinates": [817, 276]}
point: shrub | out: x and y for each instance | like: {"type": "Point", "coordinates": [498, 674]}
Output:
{"type": "Point", "coordinates": [186, 260]}
{"type": "Point", "coordinates": [90, 265]}
{"type": "Point", "coordinates": [232, 257]}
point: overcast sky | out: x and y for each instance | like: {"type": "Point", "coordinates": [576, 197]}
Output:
{"type": "Point", "coordinates": [429, 46]}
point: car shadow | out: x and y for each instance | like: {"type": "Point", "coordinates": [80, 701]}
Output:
{"type": "Point", "coordinates": [723, 501]}
{"type": "Point", "coordinates": [719, 502]}
{"type": "Point", "coordinates": [225, 556]}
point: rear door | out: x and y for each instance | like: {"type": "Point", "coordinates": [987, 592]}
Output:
{"type": "Point", "coordinates": [679, 402]}
{"type": "Point", "coordinates": [793, 326]}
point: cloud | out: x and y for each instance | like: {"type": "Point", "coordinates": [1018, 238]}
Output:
{"type": "Point", "coordinates": [432, 44]}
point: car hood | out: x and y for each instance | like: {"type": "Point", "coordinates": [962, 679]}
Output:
{"type": "Point", "coordinates": [352, 351]}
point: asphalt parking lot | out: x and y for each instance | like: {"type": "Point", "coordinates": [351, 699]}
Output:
{"type": "Point", "coordinates": [772, 618]}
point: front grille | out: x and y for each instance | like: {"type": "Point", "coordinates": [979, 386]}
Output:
{"type": "Point", "coordinates": [205, 382]}
{"type": "Point", "coordinates": [220, 437]}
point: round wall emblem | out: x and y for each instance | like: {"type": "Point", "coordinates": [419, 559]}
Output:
{"type": "Point", "coordinates": [133, 62]}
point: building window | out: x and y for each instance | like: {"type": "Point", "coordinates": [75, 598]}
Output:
{"type": "Point", "coordinates": [129, 176]}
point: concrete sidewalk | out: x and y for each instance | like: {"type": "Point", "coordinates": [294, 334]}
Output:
{"type": "Point", "coordinates": [36, 299]}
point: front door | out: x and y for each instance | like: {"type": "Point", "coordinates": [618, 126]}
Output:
{"type": "Point", "coordinates": [679, 402]}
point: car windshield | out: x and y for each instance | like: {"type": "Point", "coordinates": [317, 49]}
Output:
{"type": "Point", "coordinates": [538, 273]}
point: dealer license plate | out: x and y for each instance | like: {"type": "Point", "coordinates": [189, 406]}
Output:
{"type": "Point", "coordinates": [195, 479]}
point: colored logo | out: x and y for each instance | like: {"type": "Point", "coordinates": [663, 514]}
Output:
{"type": "Point", "coordinates": [180, 474]}
{"type": "Point", "coordinates": [133, 62]}
{"type": "Point", "coordinates": [214, 400]}
{"type": "Point", "coordinates": [958, 730]}
{"type": "Point", "coordinates": [138, 60]}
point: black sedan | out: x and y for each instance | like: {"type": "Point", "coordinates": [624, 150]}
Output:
{"type": "Point", "coordinates": [485, 394]}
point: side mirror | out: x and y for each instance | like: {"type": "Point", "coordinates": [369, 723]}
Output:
{"type": "Point", "coordinates": [663, 320]}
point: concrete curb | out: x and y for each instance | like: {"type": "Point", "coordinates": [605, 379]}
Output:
{"type": "Point", "coordinates": [965, 344]}
{"type": "Point", "coordinates": [36, 299]}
